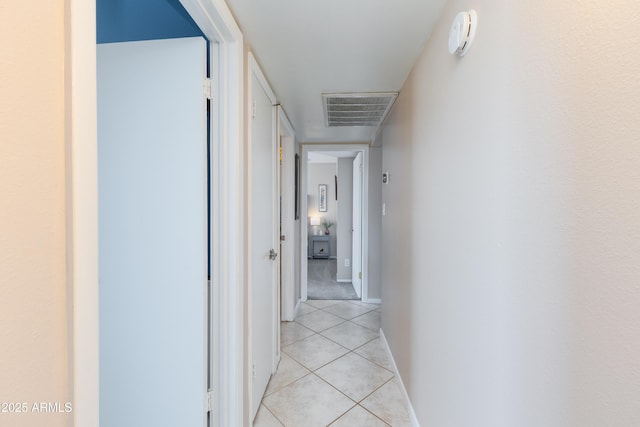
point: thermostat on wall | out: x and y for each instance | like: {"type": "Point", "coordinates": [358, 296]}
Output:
{"type": "Point", "coordinates": [463, 30]}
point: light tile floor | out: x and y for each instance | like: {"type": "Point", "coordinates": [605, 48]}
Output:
{"type": "Point", "coordinates": [334, 371]}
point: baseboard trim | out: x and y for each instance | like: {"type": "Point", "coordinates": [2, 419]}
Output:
{"type": "Point", "coordinates": [343, 280]}
{"type": "Point", "coordinates": [372, 301]}
{"type": "Point", "coordinates": [412, 413]}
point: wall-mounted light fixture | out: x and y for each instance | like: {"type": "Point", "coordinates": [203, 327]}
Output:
{"type": "Point", "coordinates": [463, 30]}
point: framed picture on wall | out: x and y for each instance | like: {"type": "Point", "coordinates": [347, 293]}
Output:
{"type": "Point", "coordinates": [322, 197]}
{"type": "Point", "coordinates": [297, 187]}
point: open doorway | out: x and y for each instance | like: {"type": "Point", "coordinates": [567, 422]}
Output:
{"type": "Point", "coordinates": [332, 239]}
{"type": "Point", "coordinates": [334, 209]}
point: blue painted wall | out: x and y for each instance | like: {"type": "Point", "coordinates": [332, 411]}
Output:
{"type": "Point", "coordinates": [130, 20]}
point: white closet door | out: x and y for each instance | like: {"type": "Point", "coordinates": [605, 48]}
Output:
{"type": "Point", "coordinates": [264, 236]}
{"type": "Point", "coordinates": [356, 265]}
{"type": "Point", "coordinates": [152, 233]}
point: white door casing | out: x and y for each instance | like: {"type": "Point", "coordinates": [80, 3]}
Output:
{"type": "Point", "coordinates": [228, 232]}
{"type": "Point", "coordinates": [152, 232]}
{"type": "Point", "coordinates": [264, 236]}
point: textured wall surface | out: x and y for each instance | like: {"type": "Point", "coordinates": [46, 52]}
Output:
{"type": "Point", "coordinates": [511, 255]}
{"type": "Point", "coordinates": [33, 300]}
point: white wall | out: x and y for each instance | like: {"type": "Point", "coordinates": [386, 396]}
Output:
{"type": "Point", "coordinates": [511, 255]}
{"type": "Point", "coordinates": [344, 228]}
{"type": "Point", "coordinates": [34, 317]}
{"type": "Point", "coordinates": [323, 173]}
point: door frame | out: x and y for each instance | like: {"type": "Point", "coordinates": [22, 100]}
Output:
{"type": "Point", "coordinates": [227, 207]}
{"type": "Point", "coordinates": [304, 225]}
{"type": "Point", "coordinates": [287, 195]}
{"type": "Point", "coordinates": [254, 69]}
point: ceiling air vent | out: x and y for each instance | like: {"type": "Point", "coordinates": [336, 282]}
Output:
{"type": "Point", "coordinates": [357, 109]}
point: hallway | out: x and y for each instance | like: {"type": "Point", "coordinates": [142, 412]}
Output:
{"type": "Point", "coordinates": [334, 371]}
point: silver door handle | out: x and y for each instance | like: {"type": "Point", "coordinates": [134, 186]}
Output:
{"type": "Point", "coordinates": [273, 254]}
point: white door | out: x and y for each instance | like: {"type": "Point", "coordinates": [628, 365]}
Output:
{"type": "Point", "coordinates": [356, 270]}
{"type": "Point", "coordinates": [264, 236]}
{"type": "Point", "coordinates": [152, 233]}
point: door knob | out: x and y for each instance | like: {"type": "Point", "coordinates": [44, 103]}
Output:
{"type": "Point", "coordinates": [273, 254]}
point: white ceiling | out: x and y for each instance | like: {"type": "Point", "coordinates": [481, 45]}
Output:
{"type": "Point", "coordinates": [329, 156]}
{"type": "Point", "coordinates": [307, 47]}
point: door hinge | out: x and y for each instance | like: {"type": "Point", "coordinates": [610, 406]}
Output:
{"type": "Point", "coordinates": [360, 275]}
{"type": "Point", "coordinates": [207, 88]}
{"type": "Point", "coordinates": [253, 109]}
{"type": "Point", "coordinates": [209, 400]}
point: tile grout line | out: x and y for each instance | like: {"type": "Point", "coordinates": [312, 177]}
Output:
{"type": "Point", "coordinates": [271, 412]}
{"type": "Point", "coordinates": [378, 388]}
{"type": "Point", "coordinates": [365, 343]}
{"type": "Point", "coordinates": [369, 395]}
{"type": "Point", "coordinates": [381, 420]}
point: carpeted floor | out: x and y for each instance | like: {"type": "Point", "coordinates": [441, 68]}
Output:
{"type": "Point", "coordinates": [322, 284]}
